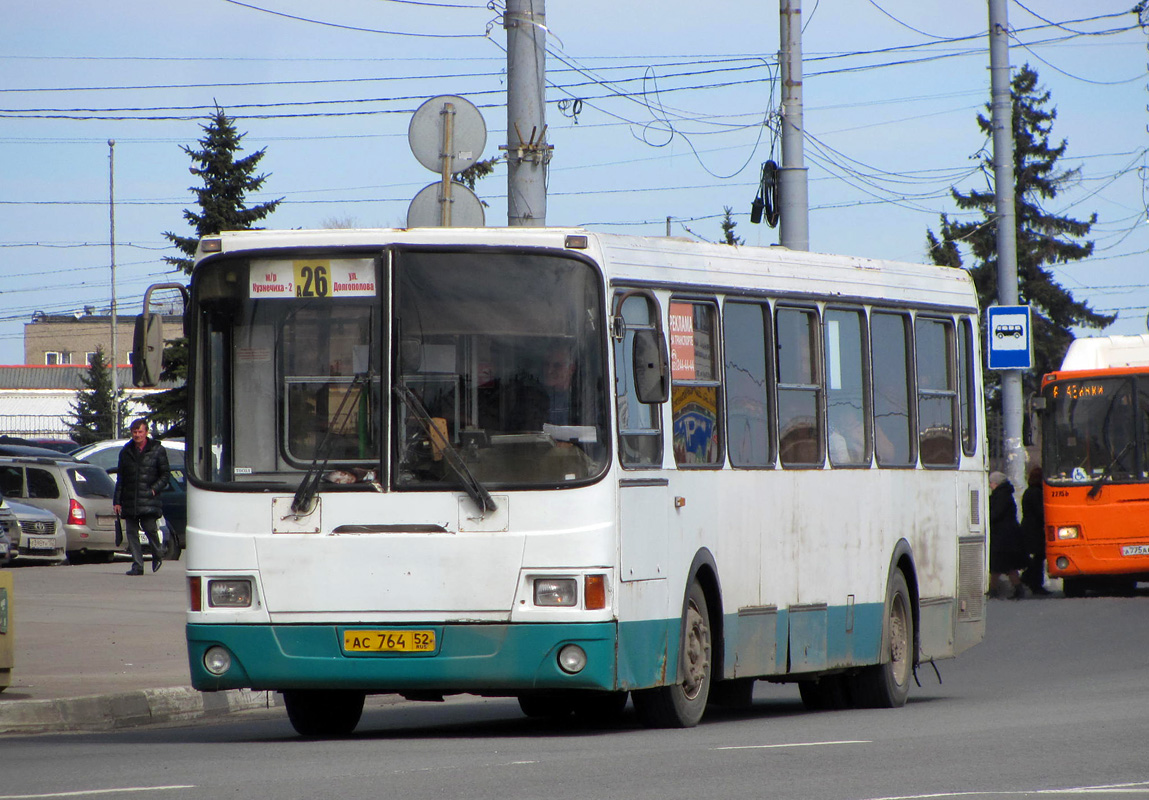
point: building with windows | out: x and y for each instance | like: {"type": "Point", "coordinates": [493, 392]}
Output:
{"type": "Point", "coordinates": [59, 339]}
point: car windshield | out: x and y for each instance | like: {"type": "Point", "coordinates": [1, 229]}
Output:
{"type": "Point", "coordinates": [90, 482]}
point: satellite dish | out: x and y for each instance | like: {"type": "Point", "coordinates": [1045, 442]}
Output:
{"type": "Point", "coordinates": [468, 133]}
{"type": "Point", "coordinates": [426, 209]}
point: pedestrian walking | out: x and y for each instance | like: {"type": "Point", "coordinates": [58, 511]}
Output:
{"type": "Point", "coordinates": [142, 474]}
{"type": "Point", "coordinates": [1006, 551]}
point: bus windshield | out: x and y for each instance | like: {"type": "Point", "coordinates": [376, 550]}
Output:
{"type": "Point", "coordinates": [1095, 430]}
{"type": "Point", "coordinates": [496, 377]}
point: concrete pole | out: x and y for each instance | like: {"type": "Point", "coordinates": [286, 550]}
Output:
{"type": "Point", "coordinates": [793, 199]}
{"type": "Point", "coordinates": [527, 153]}
{"type": "Point", "coordinates": [1003, 178]}
{"type": "Point", "coordinates": [115, 322]}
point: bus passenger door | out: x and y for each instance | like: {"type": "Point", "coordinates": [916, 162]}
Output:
{"type": "Point", "coordinates": [645, 633]}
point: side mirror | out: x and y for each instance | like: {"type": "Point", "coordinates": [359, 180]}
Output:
{"type": "Point", "coordinates": [651, 375]}
{"type": "Point", "coordinates": [148, 350]}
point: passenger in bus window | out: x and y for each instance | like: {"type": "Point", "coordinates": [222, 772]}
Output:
{"type": "Point", "coordinates": [847, 437]}
{"type": "Point", "coordinates": [1033, 533]}
{"type": "Point", "coordinates": [1006, 553]}
{"type": "Point", "coordinates": [558, 370]}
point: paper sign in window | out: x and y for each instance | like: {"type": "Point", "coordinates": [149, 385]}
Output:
{"type": "Point", "coordinates": [682, 341]}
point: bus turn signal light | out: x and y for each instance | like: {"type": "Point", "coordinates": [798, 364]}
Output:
{"type": "Point", "coordinates": [594, 592]}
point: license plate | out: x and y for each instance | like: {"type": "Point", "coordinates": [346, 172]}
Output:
{"type": "Point", "coordinates": [40, 543]}
{"type": "Point", "coordinates": [389, 641]}
{"type": "Point", "coordinates": [1135, 550]}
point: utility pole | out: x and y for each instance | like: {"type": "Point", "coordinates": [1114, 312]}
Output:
{"type": "Point", "coordinates": [793, 198]}
{"type": "Point", "coordinates": [1003, 179]}
{"type": "Point", "coordinates": [527, 151]}
{"type": "Point", "coordinates": [112, 246]}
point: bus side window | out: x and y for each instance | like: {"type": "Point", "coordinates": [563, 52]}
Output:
{"type": "Point", "coordinates": [800, 441]}
{"type": "Point", "coordinates": [696, 389]}
{"type": "Point", "coordinates": [967, 391]}
{"type": "Point", "coordinates": [847, 404]}
{"type": "Point", "coordinates": [890, 356]}
{"type": "Point", "coordinates": [639, 426]}
{"type": "Point", "coordinates": [746, 332]}
{"type": "Point", "coordinates": [937, 392]}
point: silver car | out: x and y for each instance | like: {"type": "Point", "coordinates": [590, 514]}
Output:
{"type": "Point", "coordinates": [37, 536]}
{"type": "Point", "coordinates": [80, 494]}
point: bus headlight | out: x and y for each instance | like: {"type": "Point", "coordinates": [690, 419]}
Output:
{"type": "Point", "coordinates": [1068, 532]}
{"type": "Point", "coordinates": [231, 593]}
{"type": "Point", "coordinates": [556, 591]}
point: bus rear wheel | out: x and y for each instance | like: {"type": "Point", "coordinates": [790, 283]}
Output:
{"type": "Point", "coordinates": [682, 705]}
{"type": "Point", "coordinates": [887, 685]}
{"type": "Point", "coordinates": [323, 713]}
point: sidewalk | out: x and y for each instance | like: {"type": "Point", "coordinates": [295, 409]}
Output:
{"type": "Point", "coordinates": [96, 649]}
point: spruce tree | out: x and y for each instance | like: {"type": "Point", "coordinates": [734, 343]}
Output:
{"type": "Point", "coordinates": [227, 181]}
{"type": "Point", "coordinates": [728, 225]}
{"type": "Point", "coordinates": [1043, 239]}
{"type": "Point", "coordinates": [226, 184]}
{"type": "Point", "coordinates": [94, 404]}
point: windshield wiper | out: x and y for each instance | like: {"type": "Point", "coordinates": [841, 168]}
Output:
{"type": "Point", "coordinates": [1096, 488]}
{"type": "Point", "coordinates": [472, 486]}
{"type": "Point", "coordinates": [305, 495]}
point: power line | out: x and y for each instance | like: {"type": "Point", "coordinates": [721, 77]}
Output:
{"type": "Point", "coordinates": [359, 29]}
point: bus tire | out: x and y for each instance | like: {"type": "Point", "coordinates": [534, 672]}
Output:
{"type": "Point", "coordinates": [682, 705]}
{"type": "Point", "coordinates": [546, 706]}
{"type": "Point", "coordinates": [323, 713]}
{"type": "Point", "coordinates": [887, 685]}
{"type": "Point", "coordinates": [599, 708]}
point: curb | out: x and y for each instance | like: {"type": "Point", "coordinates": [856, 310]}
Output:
{"type": "Point", "coordinates": [128, 709]}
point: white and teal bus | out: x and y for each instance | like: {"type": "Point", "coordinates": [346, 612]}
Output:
{"type": "Point", "coordinates": [570, 467]}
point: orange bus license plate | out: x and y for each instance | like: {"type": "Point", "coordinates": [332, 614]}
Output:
{"type": "Point", "coordinates": [388, 641]}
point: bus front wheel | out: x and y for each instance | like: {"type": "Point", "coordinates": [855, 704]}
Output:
{"type": "Point", "coordinates": [682, 705]}
{"type": "Point", "coordinates": [887, 685]}
{"type": "Point", "coordinates": [319, 713]}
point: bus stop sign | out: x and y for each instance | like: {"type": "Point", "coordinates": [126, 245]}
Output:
{"type": "Point", "coordinates": [1009, 337]}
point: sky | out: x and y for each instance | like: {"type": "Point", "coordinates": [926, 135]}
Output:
{"type": "Point", "coordinates": [655, 111]}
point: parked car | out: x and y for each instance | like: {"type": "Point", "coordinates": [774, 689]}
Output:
{"type": "Point", "coordinates": [7, 523]}
{"type": "Point", "coordinates": [37, 536]}
{"type": "Point", "coordinates": [80, 494]}
{"type": "Point", "coordinates": [28, 451]}
{"type": "Point", "coordinates": [106, 455]}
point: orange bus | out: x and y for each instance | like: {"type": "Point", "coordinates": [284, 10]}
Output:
{"type": "Point", "coordinates": [1095, 459]}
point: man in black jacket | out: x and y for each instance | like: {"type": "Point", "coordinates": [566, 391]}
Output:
{"type": "Point", "coordinates": [142, 474]}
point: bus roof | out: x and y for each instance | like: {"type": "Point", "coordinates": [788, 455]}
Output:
{"type": "Point", "coordinates": [1107, 352]}
{"type": "Point", "coordinates": [658, 259]}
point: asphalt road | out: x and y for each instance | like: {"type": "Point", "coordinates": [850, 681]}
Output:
{"type": "Point", "coordinates": [1053, 704]}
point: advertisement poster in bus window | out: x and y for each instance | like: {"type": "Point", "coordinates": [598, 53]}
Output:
{"type": "Point", "coordinates": [682, 341]}
{"type": "Point", "coordinates": [695, 424]}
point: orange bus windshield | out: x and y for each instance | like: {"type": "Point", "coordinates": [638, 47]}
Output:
{"type": "Point", "coordinates": [1095, 429]}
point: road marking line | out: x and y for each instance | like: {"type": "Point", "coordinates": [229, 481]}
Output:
{"type": "Point", "coordinates": [790, 744]}
{"type": "Point", "coordinates": [1104, 788]}
{"type": "Point", "coordinates": [90, 792]}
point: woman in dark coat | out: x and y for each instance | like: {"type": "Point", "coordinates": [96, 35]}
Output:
{"type": "Point", "coordinates": [141, 475]}
{"type": "Point", "coordinates": [1006, 551]}
{"type": "Point", "coordinates": [1033, 533]}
